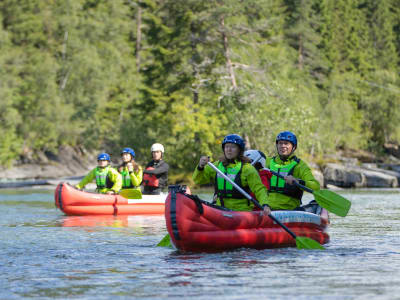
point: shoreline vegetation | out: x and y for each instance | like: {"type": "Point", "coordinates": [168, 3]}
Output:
{"type": "Point", "coordinates": [356, 169]}
{"type": "Point", "coordinates": [102, 75]}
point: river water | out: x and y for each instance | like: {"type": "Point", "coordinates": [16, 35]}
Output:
{"type": "Point", "coordinates": [46, 255]}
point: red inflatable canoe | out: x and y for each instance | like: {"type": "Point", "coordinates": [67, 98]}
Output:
{"type": "Point", "coordinates": [75, 202]}
{"type": "Point", "coordinates": [198, 226]}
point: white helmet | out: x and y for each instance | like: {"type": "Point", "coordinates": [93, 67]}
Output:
{"type": "Point", "coordinates": [255, 156]}
{"type": "Point", "coordinates": [157, 147]}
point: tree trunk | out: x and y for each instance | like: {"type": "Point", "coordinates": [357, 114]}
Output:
{"type": "Point", "coordinates": [227, 55]}
{"type": "Point", "coordinates": [138, 36]}
{"type": "Point", "coordinates": [301, 57]}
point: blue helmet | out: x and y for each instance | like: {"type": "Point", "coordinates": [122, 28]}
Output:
{"type": "Point", "coordinates": [103, 156]}
{"type": "Point", "coordinates": [128, 150]}
{"type": "Point", "coordinates": [234, 139]}
{"type": "Point", "coordinates": [287, 136]}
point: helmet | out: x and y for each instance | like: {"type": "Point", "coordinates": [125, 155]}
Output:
{"type": "Point", "coordinates": [128, 150]}
{"type": "Point", "coordinates": [157, 147]}
{"type": "Point", "coordinates": [103, 156]}
{"type": "Point", "coordinates": [256, 155]}
{"type": "Point", "coordinates": [234, 139]}
{"type": "Point", "coordinates": [287, 136]}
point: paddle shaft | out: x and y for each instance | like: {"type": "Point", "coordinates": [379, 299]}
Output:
{"type": "Point", "coordinates": [294, 182]}
{"type": "Point", "coordinates": [243, 192]}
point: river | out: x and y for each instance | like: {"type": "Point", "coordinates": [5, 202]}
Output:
{"type": "Point", "coordinates": [46, 255]}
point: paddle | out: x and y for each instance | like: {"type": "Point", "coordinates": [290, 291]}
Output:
{"type": "Point", "coordinates": [329, 200]}
{"type": "Point", "coordinates": [165, 242]}
{"type": "Point", "coordinates": [131, 194]}
{"type": "Point", "coordinates": [301, 242]}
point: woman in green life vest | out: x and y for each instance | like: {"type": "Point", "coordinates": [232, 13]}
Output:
{"type": "Point", "coordinates": [131, 172]}
{"type": "Point", "coordinates": [108, 180]}
{"type": "Point", "coordinates": [236, 166]}
{"type": "Point", "coordinates": [282, 193]}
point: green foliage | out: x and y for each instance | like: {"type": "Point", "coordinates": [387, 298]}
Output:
{"type": "Point", "coordinates": [73, 73]}
{"type": "Point", "coordinates": [10, 142]}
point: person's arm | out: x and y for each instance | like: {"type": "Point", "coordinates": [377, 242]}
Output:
{"type": "Point", "coordinates": [136, 177]}
{"type": "Point", "coordinates": [163, 168]}
{"type": "Point", "coordinates": [87, 179]}
{"type": "Point", "coordinates": [203, 175]}
{"type": "Point", "coordinates": [305, 176]}
{"type": "Point", "coordinates": [116, 178]}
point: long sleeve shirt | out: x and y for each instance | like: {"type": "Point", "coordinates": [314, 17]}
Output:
{"type": "Point", "coordinates": [249, 178]}
{"type": "Point", "coordinates": [113, 176]}
{"type": "Point", "coordinates": [302, 172]}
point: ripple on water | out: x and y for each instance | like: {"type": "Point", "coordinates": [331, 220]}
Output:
{"type": "Point", "coordinates": [50, 256]}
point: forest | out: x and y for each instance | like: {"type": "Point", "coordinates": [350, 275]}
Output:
{"type": "Point", "coordinates": [102, 75]}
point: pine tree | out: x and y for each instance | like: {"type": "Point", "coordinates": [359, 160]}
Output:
{"type": "Point", "coordinates": [381, 99]}
{"type": "Point", "coordinates": [10, 142]}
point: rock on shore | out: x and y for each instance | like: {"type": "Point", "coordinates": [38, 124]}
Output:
{"type": "Point", "coordinates": [363, 171]}
{"type": "Point", "coordinates": [367, 175]}
{"type": "Point", "coordinates": [69, 162]}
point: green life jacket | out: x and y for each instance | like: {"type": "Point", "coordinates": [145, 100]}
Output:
{"type": "Point", "coordinates": [102, 179]}
{"type": "Point", "coordinates": [223, 189]}
{"type": "Point", "coordinates": [126, 179]}
{"type": "Point", "coordinates": [278, 185]}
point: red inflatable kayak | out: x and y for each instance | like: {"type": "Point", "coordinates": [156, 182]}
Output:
{"type": "Point", "coordinates": [75, 202]}
{"type": "Point", "coordinates": [198, 226]}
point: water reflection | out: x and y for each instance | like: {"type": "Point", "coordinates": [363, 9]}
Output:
{"type": "Point", "coordinates": [113, 221]}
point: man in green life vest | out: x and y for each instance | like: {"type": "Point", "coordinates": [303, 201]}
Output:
{"type": "Point", "coordinates": [108, 180]}
{"type": "Point", "coordinates": [236, 166]}
{"type": "Point", "coordinates": [283, 194]}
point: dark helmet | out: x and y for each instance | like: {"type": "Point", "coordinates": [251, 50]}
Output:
{"type": "Point", "coordinates": [103, 156]}
{"type": "Point", "coordinates": [128, 150]}
{"type": "Point", "coordinates": [234, 139]}
{"type": "Point", "coordinates": [287, 136]}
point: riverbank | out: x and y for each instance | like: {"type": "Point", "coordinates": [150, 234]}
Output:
{"type": "Point", "coordinates": [356, 169]}
{"type": "Point", "coordinates": [69, 164]}
{"type": "Point", "coordinates": [360, 169]}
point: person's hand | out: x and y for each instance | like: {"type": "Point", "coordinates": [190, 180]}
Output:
{"type": "Point", "coordinates": [290, 179]}
{"type": "Point", "coordinates": [203, 161]}
{"type": "Point", "coordinates": [266, 210]}
{"type": "Point", "coordinates": [130, 167]}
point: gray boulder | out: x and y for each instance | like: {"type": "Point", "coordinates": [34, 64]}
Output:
{"type": "Point", "coordinates": [68, 162]}
{"type": "Point", "coordinates": [355, 176]}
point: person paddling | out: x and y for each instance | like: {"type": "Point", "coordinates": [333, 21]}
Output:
{"type": "Point", "coordinates": [237, 167]}
{"type": "Point", "coordinates": [108, 180]}
{"type": "Point", "coordinates": [155, 176]}
{"type": "Point", "coordinates": [283, 193]}
{"type": "Point", "coordinates": [131, 172]}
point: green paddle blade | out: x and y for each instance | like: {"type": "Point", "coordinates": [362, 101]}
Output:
{"type": "Point", "coordinates": [131, 194]}
{"type": "Point", "coordinates": [307, 243]}
{"type": "Point", "coordinates": [332, 202]}
{"type": "Point", "coordinates": [165, 242]}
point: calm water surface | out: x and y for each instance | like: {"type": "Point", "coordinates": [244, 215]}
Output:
{"type": "Point", "coordinates": [46, 255]}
